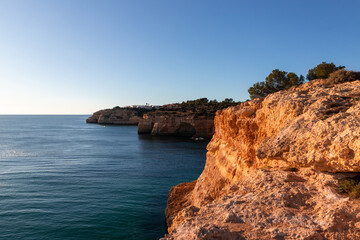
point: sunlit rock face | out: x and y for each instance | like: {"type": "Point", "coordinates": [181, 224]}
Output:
{"type": "Point", "coordinates": [157, 123]}
{"type": "Point", "coordinates": [313, 128]}
{"type": "Point", "coordinates": [187, 126]}
{"type": "Point", "coordinates": [273, 204]}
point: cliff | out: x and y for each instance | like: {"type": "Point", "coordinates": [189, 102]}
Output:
{"type": "Point", "coordinates": [194, 118]}
{"type": "Point", "coordinates": [183, 126]}
{"type": "Point", "coordinates": [273, 169]}
{"type": "Point", "coordinates": [158, 122]}
{"type": "Point", "coordinates": [118, 116]}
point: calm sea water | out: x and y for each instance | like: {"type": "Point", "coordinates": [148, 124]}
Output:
{"type": "Point", "coordinates": [61, 178]}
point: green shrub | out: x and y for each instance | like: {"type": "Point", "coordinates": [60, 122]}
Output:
{"type": "Point", "coordinates": [276, 81]}
{"type": "Point", "coordinates": [322, 71]}
{"type": "Point", "coordinates": [342, 75]}
{"type": "Point", "coordinates": [349, 187]}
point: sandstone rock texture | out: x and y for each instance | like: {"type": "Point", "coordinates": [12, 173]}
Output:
{"type": "Point", "coordinates": [245, 191]}
{"type": "Point", "coordinates": [187, 126]}
{"type": "Point", "coordinates": [116, 116]}
{"type": "Point", "coordinates": [273, 204]}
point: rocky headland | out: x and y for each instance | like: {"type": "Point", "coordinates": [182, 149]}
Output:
{"type": "Point", "coordinates": [281, 167]}
{"type": "Point", "coordinates": [118, 116]}
{"type": "Point", "coordinates": [193, 118]}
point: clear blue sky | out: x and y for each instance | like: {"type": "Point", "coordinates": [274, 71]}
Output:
{"type": "Point", "coordinates": [73, 56]}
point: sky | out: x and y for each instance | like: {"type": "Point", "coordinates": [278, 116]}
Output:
{"type": "Point", "coordinates": [79, 56]}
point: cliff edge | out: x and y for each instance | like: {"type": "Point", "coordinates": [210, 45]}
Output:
{"type": "Point", "coordinates": [273, 169]}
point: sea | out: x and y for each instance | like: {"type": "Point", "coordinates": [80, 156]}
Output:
{"type": "Point", "coordinates": [61, 178]}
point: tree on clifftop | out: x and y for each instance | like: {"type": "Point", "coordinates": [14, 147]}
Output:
{"type": "Point", "coordinates": [276, 81]}
{"type": "Point", "coordinates": [322, 71]}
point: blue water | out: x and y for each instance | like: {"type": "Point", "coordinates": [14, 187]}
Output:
{"type": "Point", "coordinates": [61, 178]}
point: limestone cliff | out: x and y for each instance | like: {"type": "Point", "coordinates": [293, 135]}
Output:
{"type": "Point", "coordinates": [183, 126]}
{"type": "Point", "coordinates": [193, 118]}
{"type": "Point", "coordinates": [246, 190]}
{"type": "Point", "coordinates": [157, 123]}
{"type": "Point", "coordinates": [118, 116]}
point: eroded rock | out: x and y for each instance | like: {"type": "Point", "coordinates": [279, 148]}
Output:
{"type": "Point", "coordinates": [269, 206]}
{"type": "Point", "coordinates": [244, 192]}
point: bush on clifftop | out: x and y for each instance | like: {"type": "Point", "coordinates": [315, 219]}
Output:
{"type": "Point", "coordinates": [342, 75]}
{"type": "Point", "coordinates": [276, 81]}
{"type": "Point", "coordinates": [322, 71]}
{"type": "Point", "coordinates": [198, 107]}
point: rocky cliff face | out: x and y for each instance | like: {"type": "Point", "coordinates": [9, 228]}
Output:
{"type": "Point", "coordinates": [246, 190]}
{"type": "Point", "coordinates": [157, 123]}
{"type": "Point", "coordinates": [117, 116]}
{"type": "Point", "coordinates": [187, 126]}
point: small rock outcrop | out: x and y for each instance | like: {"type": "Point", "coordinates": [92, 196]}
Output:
{"type": "Point", "coordinates": [246, 190]}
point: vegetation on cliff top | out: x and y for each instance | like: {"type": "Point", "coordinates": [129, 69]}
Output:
{"type": "Point", "coordinates": [281, 80]}
{"type": "Point", "coordinates": [198, 107]}
{"type": "Point", "coordinates": [276, 81]}
{"type": "Point", "coordinates": [341, 76]}
{"type": "Point", "coordinates": [322, 71]}
{"type": "Point", "coordinates": [190, 108]}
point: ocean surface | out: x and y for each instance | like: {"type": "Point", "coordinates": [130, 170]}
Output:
{"type": "Point", "coordinates": [61, 178]}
